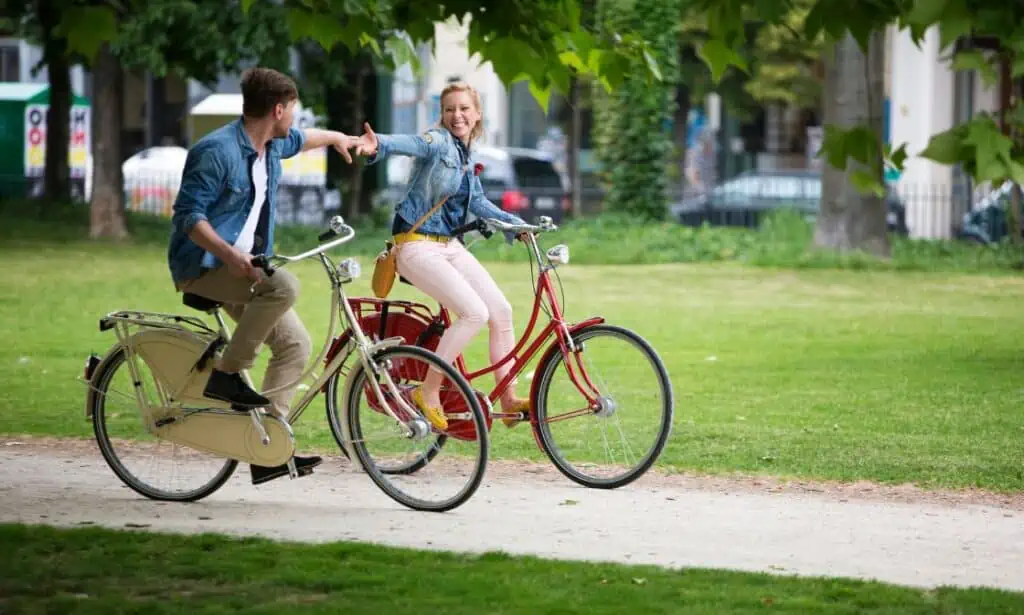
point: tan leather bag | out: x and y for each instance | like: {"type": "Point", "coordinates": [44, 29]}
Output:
{"type": "Point", "coordinates": [385, 268]}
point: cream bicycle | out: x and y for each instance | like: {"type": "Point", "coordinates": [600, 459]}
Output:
{"type": "Point", "coordinates": [161, 362]}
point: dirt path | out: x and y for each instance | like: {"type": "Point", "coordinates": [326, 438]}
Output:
{"type": "Point", "coordinates": [895, 534]}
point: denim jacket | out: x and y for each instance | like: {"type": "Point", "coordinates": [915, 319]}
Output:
{"type": "Point", "coordinates": [436, 172]}
{"type": "Point", "coordinates": [217, 186]}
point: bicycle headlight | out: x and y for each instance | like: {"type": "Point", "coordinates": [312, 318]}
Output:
{"type": "Point", "coordinates": [559, 255]}
{"type": "Point", "coordinates": [349, 270]}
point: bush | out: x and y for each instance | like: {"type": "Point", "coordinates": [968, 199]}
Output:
{"type": "Point", "coordinates": [784, 240]}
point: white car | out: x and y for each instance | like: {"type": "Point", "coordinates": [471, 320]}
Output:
{"type": "Point", "coordinates": [152, 178]}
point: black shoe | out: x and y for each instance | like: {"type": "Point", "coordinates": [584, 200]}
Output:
{"type": "Point", "coordinates": [233, 389]}
{"type": "Point", "coordinates": [303, 465]}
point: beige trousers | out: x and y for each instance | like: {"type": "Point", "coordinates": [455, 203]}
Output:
{"type": "Point", "coordinates": [263, 313]}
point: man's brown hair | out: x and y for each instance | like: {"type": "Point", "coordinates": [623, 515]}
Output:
{"type": "Point", "coordinates": [264, 88]}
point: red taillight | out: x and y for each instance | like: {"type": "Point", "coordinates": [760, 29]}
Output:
{"type": "Point", "coordinates": [513, 200]}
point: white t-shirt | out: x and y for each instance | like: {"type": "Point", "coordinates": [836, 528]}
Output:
{"type": "Point", "coordinates": [259, 181]}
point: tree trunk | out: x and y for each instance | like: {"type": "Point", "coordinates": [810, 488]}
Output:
{"type": "Point", "coordinates": [345, 113]}
{"type": "Point", "coordinates": [106, 211]}
{"type": "Point", "coordinates": [1013, 217]}
{"type": "Point", "coordinates": [573, 142]}
{"type": "Point", "coordinates": [56, 177]}
{"type": "Point", "coordinates": [680, 130]}
{"type": "Point", "coordinates": [849, 220]}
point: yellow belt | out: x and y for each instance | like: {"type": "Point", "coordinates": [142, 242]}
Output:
{"type": "Point", "coordinates": [408, 237]}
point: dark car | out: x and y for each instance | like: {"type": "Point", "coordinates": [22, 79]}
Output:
{"type": "Point", "coordinates": [522, 181]}
{"type": "Point", "coordinates": [748, 197]}
{"type": "Point", "coordinates": [986, 223]}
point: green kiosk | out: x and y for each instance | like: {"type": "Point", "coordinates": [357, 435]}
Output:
{"type": "Point", "coordinates": [23, 108]}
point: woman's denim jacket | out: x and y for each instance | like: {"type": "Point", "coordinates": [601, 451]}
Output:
{"type": "Point", "coordinates": [436, 172]}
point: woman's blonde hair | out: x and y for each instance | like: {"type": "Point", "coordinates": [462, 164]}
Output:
{"type": "Point", "coordinates": [462, 86]}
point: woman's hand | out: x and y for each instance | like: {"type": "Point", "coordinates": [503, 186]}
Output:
{"type": "Point", "coordinates": [366, 144]}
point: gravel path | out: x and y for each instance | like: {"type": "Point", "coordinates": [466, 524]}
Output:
{"type": "Point", "coordinates": [895, 534]}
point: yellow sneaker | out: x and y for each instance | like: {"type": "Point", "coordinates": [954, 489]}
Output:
{"type": "Point", "coordinates": [434, 415]}
{"type": "Point", "coordinates": [519, 405]}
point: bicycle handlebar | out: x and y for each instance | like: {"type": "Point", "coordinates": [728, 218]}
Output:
{"type": "Point", "coordinates": [338, 231]}
{"type": "Point", "coordinates": [487, 227]}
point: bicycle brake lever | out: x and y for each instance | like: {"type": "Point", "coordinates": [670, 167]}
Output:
{"type": "Point", "coordinates": [263, 263]}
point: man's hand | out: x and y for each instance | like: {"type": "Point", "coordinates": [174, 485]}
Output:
{"type": "Point", "coordinates": [342, 143]}
{"type": "Point", "coordinates": [366, 144]}
{"type": "Point", "coordinates": [240, 265]}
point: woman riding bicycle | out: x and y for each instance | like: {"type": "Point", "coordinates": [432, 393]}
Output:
{"type": "Point", "coordinates": [431, 258]}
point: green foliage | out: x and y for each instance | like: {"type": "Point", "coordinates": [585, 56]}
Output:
{"type": "Point", "coordinates": [784, 240]}
{"type": "Point", "coordinates": [540, 41]}
{"type": "Point", "coordinates": [976, 146]}
{"type": "Point", "coordinates": [634, 144]}
{"type": "Point", "coordinates": [151, 38]}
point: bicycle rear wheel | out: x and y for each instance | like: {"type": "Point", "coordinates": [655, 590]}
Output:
{"type": "Point", "coordinates": [612, 445]}
{"type": "Point", "coordinates": [152, 467]}
{"type": "Point", "coordinates": [402, 458]}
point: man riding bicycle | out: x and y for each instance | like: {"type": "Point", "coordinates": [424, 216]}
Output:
{"type": "Point", "coordinates": [224, 215]}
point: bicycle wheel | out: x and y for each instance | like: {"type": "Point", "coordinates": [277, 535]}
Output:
{"type": "Point", "coordinates": [635, 396]}
{"type": "Point", "coordinates": [397, 466]}
{"type": "Point", "coordinates": [400, 456]}
{"type": "Point", "coordinates": [152, 467]}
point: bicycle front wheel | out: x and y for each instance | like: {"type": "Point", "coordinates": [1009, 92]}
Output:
{"type": "Point", "coordinates": [401, 452]}
{"type": "Point", "coordinates": [152, 467]}
{"type": "Point", "coordinates": [615, 443]}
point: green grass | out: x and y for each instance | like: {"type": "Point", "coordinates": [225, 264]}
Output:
{"type": "Point", "coordinates": [46, 570]}
{"type": "Point", "coordinates": [810, 373]}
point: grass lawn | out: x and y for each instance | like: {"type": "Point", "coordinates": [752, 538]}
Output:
{"type": "Point", "coordinates": [828, 374]}
{"type": "Point", "coordinates": [46, 570]}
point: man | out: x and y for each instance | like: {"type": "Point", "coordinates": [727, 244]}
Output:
{"type": "Point", "coordinates": [223, 217]}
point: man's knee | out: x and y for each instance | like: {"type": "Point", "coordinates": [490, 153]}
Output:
{"type": "Point", "coordinates": [283, 287]}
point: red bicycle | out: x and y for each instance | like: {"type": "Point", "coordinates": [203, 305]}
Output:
{"type": "Point", "coordinates": [576, 422]}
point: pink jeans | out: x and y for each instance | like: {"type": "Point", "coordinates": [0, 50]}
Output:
{"type": "Point", "coordinates": [452, 276]}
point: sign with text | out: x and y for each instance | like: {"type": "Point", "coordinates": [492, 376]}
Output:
{"type": "Point", "coordinates": [35, 140]}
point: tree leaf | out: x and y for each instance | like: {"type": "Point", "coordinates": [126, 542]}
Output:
{"type": "Point", "coordinates": [833, 147]}
{"type": "Point", "coordinates": [652, 65]}
{"type": "Point", "coordinates": [865, 183]}
{"type": "Point", "coordinates": [926, 12]}
{"type": "Point", "coordinates": [246, 4]}
{"type": "Point", "coordinates": [957, 21]}
{"type": "Point", "coordinates": [541, 95]}
{"type": "Point", "coordinates": [991, 147]}
{"type": "Point", "coordinates": [87, 28]}
{"type": "Point", "coordinates": [974, 59]}
{"type": "Point", "coordinates": [510, 57]}
{"type": "Point", "coordinates": [326, 32]}
{"type": "Point", "coordinates": [571, 58]}
{"type": "Point", "coordinates": [1018, 66]}
{"type": "Point", "coordinates": [946, 147]}
{"type": "Point", "coordinates": [898, 157]}
{"type": "Point", "coordinates": [719, 57]}
{"type": "Point", "coordinates": [1017, 172]}
{"type": "Point", "coordinates": [368, 41]}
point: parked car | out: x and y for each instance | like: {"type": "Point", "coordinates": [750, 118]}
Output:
{"type": "Point", "coordinates": [152, 177]}
{"type": "Point", "coordinates": [986, 223]}
{"type": "Point", "coordinates": [745, 199]}
{"type": "Point", "coordinates": [522, 181]}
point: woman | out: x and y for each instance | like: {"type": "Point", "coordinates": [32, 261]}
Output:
{"type": "Point", "coordinates": [431, 258]}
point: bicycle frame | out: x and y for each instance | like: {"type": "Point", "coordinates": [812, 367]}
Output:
{"type": "Point", "coordinates": [557, 327]}
{"type": "Point", "coordinates": [121, 321]}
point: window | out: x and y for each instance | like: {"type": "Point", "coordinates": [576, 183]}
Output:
{"type": "Point", "coordinates": [10, 65]}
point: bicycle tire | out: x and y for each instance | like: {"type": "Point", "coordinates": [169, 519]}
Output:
{"type": "Point", "coordinates": [104, 374]}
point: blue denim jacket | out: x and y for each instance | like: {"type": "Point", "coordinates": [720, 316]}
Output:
{"type": "Point", "coordinates": [436, 172]}
{"type": "Point", "coordinates": [217, 186]}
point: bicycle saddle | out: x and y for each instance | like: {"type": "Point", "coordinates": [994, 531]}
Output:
{"type": "Point", "coordinates": [202, 304]}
